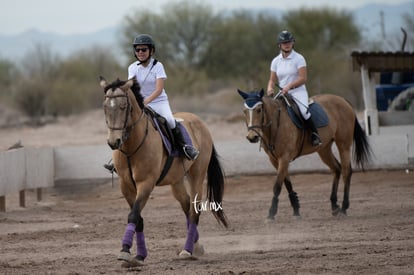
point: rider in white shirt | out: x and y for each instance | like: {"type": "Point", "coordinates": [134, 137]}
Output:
{"type": "Point", "coordinates": [288, 69]}
{"type": "Point", "coordinates": [151, 75]}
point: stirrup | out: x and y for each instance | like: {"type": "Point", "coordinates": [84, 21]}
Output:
{"type": "Point", "coordinates": [110, 167]}
{"type": "Point", "coordinates": [190, 152]}
{"type": "Point", "coordinates": [316, 140]}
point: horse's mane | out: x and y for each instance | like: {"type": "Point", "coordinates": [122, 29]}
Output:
{"type": "Point", "coordinates": [135, 88]}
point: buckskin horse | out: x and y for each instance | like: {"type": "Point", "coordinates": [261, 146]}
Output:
{"type": "Point", "coordinates": [140, 159]}
{"type": "Point", "coordinates": [268, 120]}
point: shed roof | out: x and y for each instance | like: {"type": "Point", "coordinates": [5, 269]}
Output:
{"type": "Point", "coordinates": [383, 61]}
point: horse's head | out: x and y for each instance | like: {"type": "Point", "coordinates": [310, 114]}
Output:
{"type": "Point", "coordinates": [253, 111]}
{"type": "Point", "coordinates": [118, 107]}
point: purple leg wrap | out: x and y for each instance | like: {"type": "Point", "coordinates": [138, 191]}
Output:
{"type": "Point", "coordinates": [129, 235]}
{"type": "Point", "coordinates": [141, 248]}
{"type": "Point", "coordinates": [196, 231]}
{"type": "Point", "coordinates": [191, 237]}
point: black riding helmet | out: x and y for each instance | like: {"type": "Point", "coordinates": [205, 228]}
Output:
{"type": "Point", "coordinates": [284, 37]}
{"type": "Point", "coordinates": [144, 39]}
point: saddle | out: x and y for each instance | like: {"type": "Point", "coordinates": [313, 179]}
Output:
{"type": "Point", "coordinates": [167, 137]}
{"type": "Point", "coordinates": [160, 123]}
{"type": "Point", "coordinates": [318, 114]}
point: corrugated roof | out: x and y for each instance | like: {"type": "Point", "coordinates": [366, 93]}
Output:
{"type": "Point", "coordinates": [383, 61]}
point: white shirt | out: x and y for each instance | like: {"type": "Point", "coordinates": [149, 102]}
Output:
{"type": "Point", "coordinates": [147, 78]}
{"type": "Point", "coordinates": [287, 69]}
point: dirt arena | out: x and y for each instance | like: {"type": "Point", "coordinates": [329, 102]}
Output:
{"type": "Point", "coordinates": [78, 230]}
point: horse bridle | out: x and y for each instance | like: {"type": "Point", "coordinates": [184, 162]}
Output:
{"type": "Point", "coordinates": [258, 129]}
{"type": "Point", "coordinates": [126, 129]}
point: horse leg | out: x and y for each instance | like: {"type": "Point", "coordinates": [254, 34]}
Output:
{"type": "Point", "coordinates": [277, 187]}
{"type": "Point", "coordinates": [135, 225]}
{"type": "Point", "coordinates": [180, 193]}
{"type": "Point", "coordinates": [329, 159]}
{"type": "Point", "coordinates": [196, 195]}
{"type": "Point", "coordinates": [345, 155]}
{"type": "Point", "coordinates": [293, 197]}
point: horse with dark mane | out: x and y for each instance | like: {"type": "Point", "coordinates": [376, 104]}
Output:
{"type": "Point", "coordinates": [268, 120]}
{"type": "Point", "coordinates": [142, 162]}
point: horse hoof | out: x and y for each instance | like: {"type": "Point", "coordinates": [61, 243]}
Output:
{"type": "Point", "coordinates": [124, 256]}
{"type": "Point", "coordinates": [342, 213]}
{"type": "Point", "coordinates": [136, 262]}
{"type": "Point", "coordinates": [335, 212]}
{"type": "Point", "coordinates": [198, 250]}
{"type": "Point", "coordinates": [185, 255]}
{"type": "Point", "coordinates": [133, 263]}
{"type": "Point", "coordinates": [269, 220]}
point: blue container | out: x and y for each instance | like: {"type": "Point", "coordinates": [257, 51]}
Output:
{"type": "Point", "coordinates": [387, 92]}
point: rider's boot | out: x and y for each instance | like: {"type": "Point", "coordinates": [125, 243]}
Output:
{"type": "Point", "coordinates": [315, 139]}
{"type": "Point", "coordinates": [190, 152]}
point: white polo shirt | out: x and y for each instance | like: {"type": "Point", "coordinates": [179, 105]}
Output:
{"type": "Point", "coordinates": [147, 78]}
{"type": "Point", "coordinates": [287, 69]}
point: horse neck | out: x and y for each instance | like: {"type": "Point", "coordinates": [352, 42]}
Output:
{"type": "Point", "coordinates": [281, 129]}
{"type": "Point", "coordinates": [139, 128]}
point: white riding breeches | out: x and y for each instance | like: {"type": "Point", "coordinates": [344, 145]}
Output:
{"type": "Point", "coordinates": [301, 98]}
{"type": "Point", "coordinates": [163, 108]}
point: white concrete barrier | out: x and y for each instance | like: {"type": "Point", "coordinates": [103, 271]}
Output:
{"type": "Point", "coordinates": [12, 171]}
{"type": "Point", "coordinates": [81, 163]}
{"type": "Point", "coordinates": [39, 167]}
{"type": "Point", "coordinates": [25, 168]}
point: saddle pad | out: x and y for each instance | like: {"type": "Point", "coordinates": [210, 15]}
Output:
{"type": "Point", "coordinates": [319, 116]}
{"type": "Point", "coordinates": [167, 142]}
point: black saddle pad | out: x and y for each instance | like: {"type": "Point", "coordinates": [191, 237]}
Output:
{"type": "Point", "coordinates": [318, 114]}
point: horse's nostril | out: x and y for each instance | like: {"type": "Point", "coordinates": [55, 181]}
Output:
{"type": "Point", "coordinates": [253, 139]}
{"type": "Point", "coordinates": [114, 145]}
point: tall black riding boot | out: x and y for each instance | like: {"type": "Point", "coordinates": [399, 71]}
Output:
{"type": "Point", "coordinates": [315, 139]}
{"type": "Point", "coordinates": [190, 152]}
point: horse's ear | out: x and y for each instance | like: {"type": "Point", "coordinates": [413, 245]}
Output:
{"type": "Point", "coordinates": [243, 94]}
{"type": "Point", "coordinates": [129, 83]}
{"type": "Point", "coordinates": [261, 93]}
{"type": "Point", "coordinates": [102, 81]}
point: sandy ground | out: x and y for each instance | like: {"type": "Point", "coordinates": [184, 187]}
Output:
{"type": "Point", "coordinates": [78, 230]}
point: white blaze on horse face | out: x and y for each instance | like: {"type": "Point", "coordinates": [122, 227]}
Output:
{"type": "Point", "coordinates": [112, 103]}
{"type": "Point", "coordinates": [250, 118]}
{"type": "Point", "coordinates": [251, 109]}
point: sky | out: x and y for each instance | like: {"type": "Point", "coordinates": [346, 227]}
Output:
{"type": "Point", "coordinates": [84, 16]}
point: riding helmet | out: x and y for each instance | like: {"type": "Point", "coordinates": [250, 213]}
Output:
{"type": "Point", "coordinates": [284, 37]}
{"type": "Point", "coordinates": [144, 39]}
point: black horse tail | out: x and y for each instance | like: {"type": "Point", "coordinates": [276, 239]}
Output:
{"type": "Point", "coordinates": [215, 187]}
{"type": "Point", "coordinates": [362, 149]}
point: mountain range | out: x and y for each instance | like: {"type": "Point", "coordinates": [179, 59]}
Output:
{"type": "Point", "coordinates": [374, 21]}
